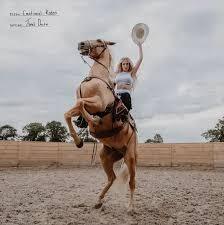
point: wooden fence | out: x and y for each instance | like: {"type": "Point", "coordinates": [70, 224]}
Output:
{"type": "Point", "coordinates": [13, 153]}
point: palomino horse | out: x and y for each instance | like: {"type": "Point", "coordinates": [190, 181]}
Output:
{"type": "Point", "coordinates": [107, 117]}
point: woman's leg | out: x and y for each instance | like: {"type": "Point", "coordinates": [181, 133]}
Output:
{"type": "Point", "coordinates": [126, 99]}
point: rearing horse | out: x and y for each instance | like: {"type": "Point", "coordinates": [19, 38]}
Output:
{"type": "Point", "coordinates": [107, 117]}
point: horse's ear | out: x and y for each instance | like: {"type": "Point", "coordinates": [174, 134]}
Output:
{"type": "Point", "coordinates": [110, 43]}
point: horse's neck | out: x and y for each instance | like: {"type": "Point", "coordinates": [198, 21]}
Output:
{"type": "Point", "coordinates": [100, 71]}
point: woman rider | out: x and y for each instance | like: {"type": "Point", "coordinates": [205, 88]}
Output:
{"type": "Point", "coordinates": [126, 75]}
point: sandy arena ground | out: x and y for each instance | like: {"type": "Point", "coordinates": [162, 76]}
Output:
{"type": "Point", "coordinates": [66, 196]}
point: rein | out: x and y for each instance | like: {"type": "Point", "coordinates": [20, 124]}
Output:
{"type": "Point", "coordinates": [100, 62]}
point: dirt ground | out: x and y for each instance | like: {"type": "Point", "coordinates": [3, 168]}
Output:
{"type": "Point", "coordinates": [66, 196]}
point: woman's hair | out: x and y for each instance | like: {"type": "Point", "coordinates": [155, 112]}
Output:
{"type": "Point", "coordinates": [131, 66]}
{"type": "Point", "coordinates": [119, 65]}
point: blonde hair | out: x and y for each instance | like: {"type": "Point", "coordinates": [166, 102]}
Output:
{"type": "Point", "coordinates": [119, 65]}
{"type": "Point", "coordinates": [131, 66]}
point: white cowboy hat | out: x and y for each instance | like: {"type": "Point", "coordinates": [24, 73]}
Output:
{"type": "Point", "coordinates": [139, 33]}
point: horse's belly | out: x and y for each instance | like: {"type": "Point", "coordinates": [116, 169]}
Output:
{"type": "Point", "coordinates": [119, 140]}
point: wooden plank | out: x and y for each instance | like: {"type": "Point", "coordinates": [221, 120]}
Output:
{"type": "Point", "coordinates": [36, 163]}
{"type": "Point", "coordinates": [75, 163]}
{"type": "Point", "coordinates": [41, 155]}
{"type": "Point", "coordinates": [192, 148]}
{"type": "Point", "coordinates": [8, 163]}
{"type": "Point", "coordinates": [193, 157]}
{"type": "Point", "coordinates": [11, 151]}
{"type": "Point", "coordinates": [9, 143]}
{"type": "Point", "coordinates": [42, 148]}
{"type": "Point", "coordinates": [37, 143]}
{"type": "Point", "coordinates": [219, 161]}
{"type": "Point", "coordinates": [154, 152]}
{"type": "Point", "coordinates": [159, 159]}
{"type": "Point", "coordinates": [80, 158]}
{"type": "Point", "coordinates": [193, 161]}
{"type": "Point", "coordinates": [154, 164]}
{"type": "Point", "coordinates": [154, 159]}
{"type": "Point", "coordinates": [153, 145]}
{"type": "Point", "coordinates": [84, 151]}
{"type": "Point", "coordinates": [8, 156]}
{"type": "Point", "coordinates": [39, 160]}
{"type": "Point", "coordinates": [189, 144]}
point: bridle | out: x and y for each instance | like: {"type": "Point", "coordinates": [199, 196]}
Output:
{"type": "Point", "coordinates": [88, 51]}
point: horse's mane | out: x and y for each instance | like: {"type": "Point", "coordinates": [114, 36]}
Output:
{"type": "Point", "coordinates": [111, 63]}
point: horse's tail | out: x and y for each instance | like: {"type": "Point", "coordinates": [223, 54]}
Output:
{"type": "Point", "coordinates": [120, 184]}
{"type": "Point", "coordinates": [123, 174]}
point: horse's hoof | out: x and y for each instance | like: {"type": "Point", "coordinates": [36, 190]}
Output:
{"type": "Point", "coordinates": [98, 205]}
{"type": "Point", "coordinates": [131, 212]}
{"type": "Point", "coordinates": [80, 144]}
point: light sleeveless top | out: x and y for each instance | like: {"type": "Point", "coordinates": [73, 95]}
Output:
{"type": "Point", "coordinates": [123, 78]}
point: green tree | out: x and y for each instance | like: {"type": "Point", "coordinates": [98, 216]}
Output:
{"type": "Point", "coordinates": [34, 132]}
{"type": "Point", "coordinates": [85, 135]}
{"type": "Point", "coordinates": [216, 134]}
{"type": "Point", "coordinates": [7, 132]}
{"type": "Point", "coordinates": [156, 139]}
{"type": "Point", "coordinates": [56, 132]}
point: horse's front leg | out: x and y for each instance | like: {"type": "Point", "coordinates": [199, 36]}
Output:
{"type": "Point", "coordinates": [93, 103]}
{"type": "Point", "coordinates": [75, 111]}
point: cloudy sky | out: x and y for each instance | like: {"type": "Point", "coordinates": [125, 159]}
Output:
{"type": "Point", "coordinates": [180, 89]}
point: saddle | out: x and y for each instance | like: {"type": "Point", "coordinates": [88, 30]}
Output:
{"type": "Point", "coordinates": [117, 108]}
{"type": "Point", "coordinates": [119, 114]}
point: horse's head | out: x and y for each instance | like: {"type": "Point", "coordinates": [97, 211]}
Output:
{"type": "Point", "coordinates": [93, 48]}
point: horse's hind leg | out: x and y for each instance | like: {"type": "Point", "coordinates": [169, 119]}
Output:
{"type": "Point", "coordinates": [130, 160]}
{"type": "Point", "coordinates": [108, 158]}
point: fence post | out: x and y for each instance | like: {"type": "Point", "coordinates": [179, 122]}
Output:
{"type": "Point", "coordinates": [18, 153]}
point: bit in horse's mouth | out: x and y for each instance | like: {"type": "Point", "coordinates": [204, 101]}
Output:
{"type": "Point", "coordinates": [84, 51]}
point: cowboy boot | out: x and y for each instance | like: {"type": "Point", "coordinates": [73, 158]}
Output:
{"type": "Point", "coordinates": [80, 122]}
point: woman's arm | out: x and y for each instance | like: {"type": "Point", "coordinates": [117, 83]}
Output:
{"type": "Point", "coordinates": [136, 67]}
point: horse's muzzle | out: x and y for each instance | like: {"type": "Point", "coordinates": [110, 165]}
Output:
{"type": "Point", "coordinates": [83, 48]}
{"type": "Point", "coordinates": [81, 45]}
